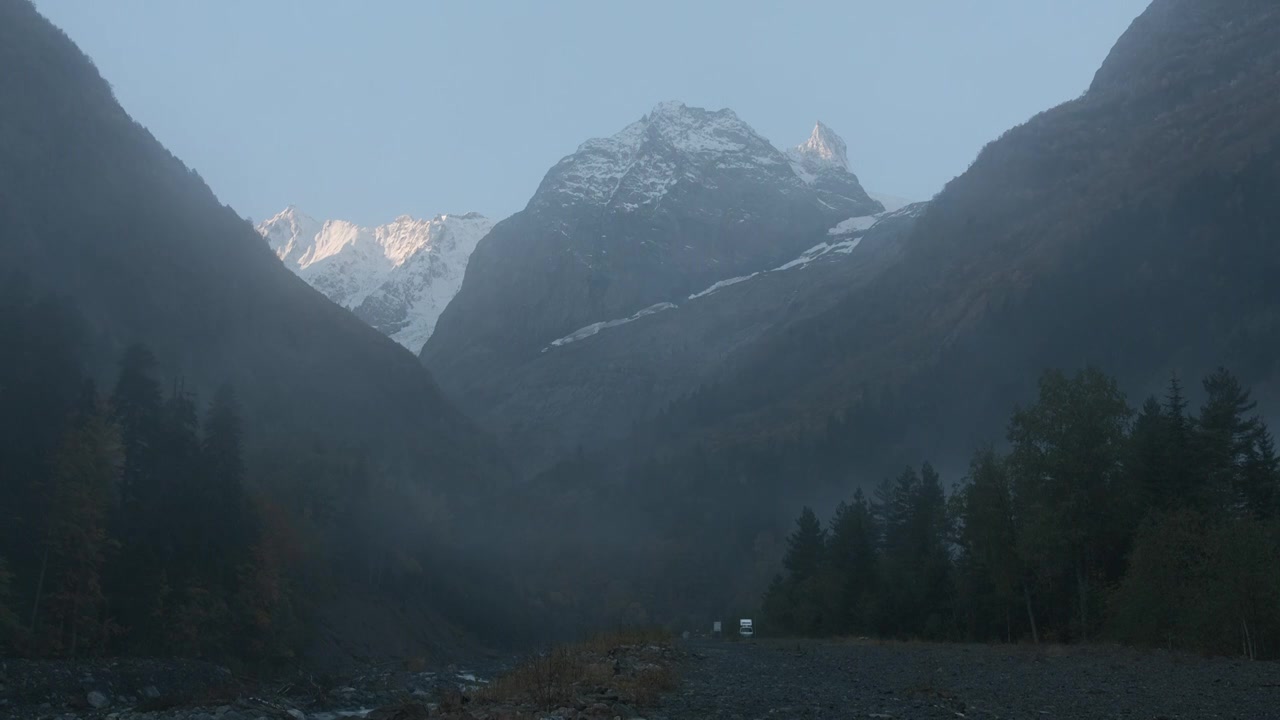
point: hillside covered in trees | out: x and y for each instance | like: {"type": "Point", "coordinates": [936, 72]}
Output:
{"type": "Point", "coordinates": [1159, 528]}
{"type": "Point", "coordinates": [345, 435]}
{"type": "Point", "coordinates": [128, 526]}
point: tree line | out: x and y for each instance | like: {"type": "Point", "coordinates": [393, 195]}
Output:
{"type": "Point", "coordinates": [128, 527]}
{"type": "Point", "coordinates": [1160, 527]}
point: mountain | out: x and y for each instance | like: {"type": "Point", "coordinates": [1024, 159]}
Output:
{"type": "Point", "coordinates": [1128, 228]}
{"type": "Point", "coordinates": [1132, 228]}
{"type": "Point", "coordinates": [822, 162]}
{"type": "Point", "coordinates": [397, 277]}
{"type": "Point", "coordinates": [95, 212]}
{"type": "Point", "coordinates": [676, 202]}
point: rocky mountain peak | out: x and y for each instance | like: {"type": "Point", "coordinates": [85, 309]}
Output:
{"type": "Point", "coordinates": [824, 147]}
{"type": "Point", "coordinates": [638, 165]}
{"type": "Point", "coordinates": [397, 277]}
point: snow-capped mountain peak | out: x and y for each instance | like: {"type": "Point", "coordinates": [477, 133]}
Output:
{"type": "Point", "coordinates": [824, 153]}
{"type": "Point", "coordinates": [824, 147]}
{"type": "Point", "coordinates": [284, 231]}
{"type": "Point", "coordinates": [398, 277]}
{"type": "Point", "coordinates": [636, 167]}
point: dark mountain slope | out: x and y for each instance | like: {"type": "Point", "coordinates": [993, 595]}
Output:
{"type": "Point", "coordinates": [591, 389]}
{"type": "Point", "coordinates": [672, 204]}
{"type": "Point", "coordinates": [95, 211]}
{"type": "Point", "coordinates": [1133, 227]}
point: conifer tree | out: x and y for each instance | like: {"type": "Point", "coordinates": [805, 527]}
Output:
{"type": "Point", "coordinates": [987, 535]}
{"type": "Point", "coordinates": [224, 522]}
{"type": "Point", "coordinates": [9, 625]}
{"type": "Point", "coordinates": [76, 542]}
{"type": "Point", "coordinates": [1226, 436]}
{"type": "Point", "coordinates": [853, 558]}
{"type": "Point", "coordinates": [1066, 460]}
{"type": "Point", "coordinates": [805, 547]}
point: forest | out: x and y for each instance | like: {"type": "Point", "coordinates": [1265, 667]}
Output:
{"type": "Point", "coordinates": [128, 527]}
{"type": "Point", "coordinates": [1154, 528]}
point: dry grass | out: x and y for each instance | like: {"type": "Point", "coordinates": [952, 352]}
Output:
{"type": "Point", "coordinates": [559, 677]}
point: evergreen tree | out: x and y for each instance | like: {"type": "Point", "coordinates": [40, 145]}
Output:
{"type": "Point", "coordinates": [9, 625]}
{"type": "Point", "coordinates": [799, 601]}
{"type": "Point", "coordinates": [1066, 461]}
{"type": "Point", "coordinates": [1225, 437]}
{"type": "Point", "coordinates": [992, 572]}
{"type": "Point", "coordinates": [1181, 478]}
{"type": "Point", "coordinates": [916, 566]}
{"type": "Point", "coordinates": [76, 542]}
{"type": "Point", "coordinates": [223, 517]}
{"type": "Point", "coordinates": [181, 500]}
{"type": "Point", "coordinates": [1260, 477]}
{"type": "Point", "coordinates": [853, 559]}
{"type": "Point", "coordinates": [805, 547]}
{"type": "Point", "coordinates": [1147, 463]}
{"type": "Point", "coordinates": [136, 404]}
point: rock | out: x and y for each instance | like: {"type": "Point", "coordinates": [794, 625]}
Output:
{"type": "Point", "coordinates": [296, 714]}
{"type": "Point", "coordinates": [233, 715]}
{"type": "Point", "coordinates": [625, 710]}
{"type": "Point", "coordinates": [97, 700]}
{"type": "Point", "coordinates": [151, 692]}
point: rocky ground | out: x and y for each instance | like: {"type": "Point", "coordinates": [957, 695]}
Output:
{"type": "Point", "coordinates": [706, 680]}
{"type": "Point", "coordinates": [144, 689]}
{"type": "Point", "coordinates": [597, 679]}
{"type": "Point", "coordinates": [775, 679]}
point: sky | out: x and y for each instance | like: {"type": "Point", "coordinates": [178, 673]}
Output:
{"type": "Point", "coordinates": [365, 111]}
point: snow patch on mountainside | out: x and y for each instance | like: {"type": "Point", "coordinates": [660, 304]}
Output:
{"type": "Point", "coordinates": [854, 224]}
{"type": "Point", "coordinates": [821, 249]}
{"type": "Point", "coordinates": [722, 284]}
{"type": "Point", "coordinates": [397, 277]}
{"type": "Point", "coordinates": [593, 328]}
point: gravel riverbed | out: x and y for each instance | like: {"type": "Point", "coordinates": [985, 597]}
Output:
{"type": "Point", "coordinates": [867, 679]}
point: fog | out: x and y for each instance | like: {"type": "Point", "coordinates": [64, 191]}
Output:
{"type": "Point", "coordinates": [903, 321]}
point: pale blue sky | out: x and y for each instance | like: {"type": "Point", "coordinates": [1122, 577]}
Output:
{"type": "Point", "coordinates": [367, 110]}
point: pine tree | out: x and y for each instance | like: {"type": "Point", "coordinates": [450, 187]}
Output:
{"type": "Point", "coordinates": [136, 405]}
{"type": "Point", "coordinates": [911, 510]}
{"type": "Point", "coordinates": [181, 501]}
{"type": "Point", "coordinates": [224, 522]}
{"type": "Point", "coordinates": [76, 542]}
{"type": "Point", "coordinates": [1226, 435]}
{"type": "Point", "coordinates": [987, 535]}
{"type": "Point", "coordinates": [1067, 458]}
{"type": "Point", "coordinates": [800, 600]}
{"type": "Point", "coordinates": [1147, 463]}
{"type": "Point", "coordinates": [853, 559]}
{"type": "Point", "coordinates": [9, 625]}
{"type": "Point", "coordinates": [805, 547]}
{"type": "Point", "coordinates": [1182, 480]}
{"type": "Point", "coordinates": [1260, 477]}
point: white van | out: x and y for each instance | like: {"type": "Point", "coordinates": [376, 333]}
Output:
{"type": "Point", "coordinates": [745, 628]}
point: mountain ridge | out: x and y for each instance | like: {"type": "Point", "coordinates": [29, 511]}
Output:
{"type": "Point", "coordinates": [666, 208]}
{"type": "Point", "coordinates": [397, 277]}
